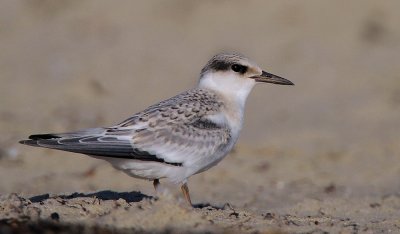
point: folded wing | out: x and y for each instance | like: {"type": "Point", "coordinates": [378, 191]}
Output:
{"type": "Point", "coordinates": [94, 142]}
{"type": "Point", "coordinates": [174, 131]}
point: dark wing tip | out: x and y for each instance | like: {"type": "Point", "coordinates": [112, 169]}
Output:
{"type": "Point", "coordinates": [34, 139]}
{"type": "Point", "coordinates": [43, 136]}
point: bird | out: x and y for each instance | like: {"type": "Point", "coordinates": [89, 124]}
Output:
{"type": "Point", "coordinates": [179, 137]}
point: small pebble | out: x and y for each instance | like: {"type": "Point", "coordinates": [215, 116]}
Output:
{"type": "Point", "coordinates": [55, 216]}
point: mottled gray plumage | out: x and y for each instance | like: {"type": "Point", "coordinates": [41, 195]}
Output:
{"type": "Point", "coordinates": [179, 125]}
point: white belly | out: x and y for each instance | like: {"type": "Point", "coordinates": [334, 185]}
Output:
{"type": "Point", "coordinates": [147, 169]}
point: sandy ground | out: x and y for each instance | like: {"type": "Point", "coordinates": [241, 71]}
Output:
{"type": "Point", "coordinates": [320, 157]}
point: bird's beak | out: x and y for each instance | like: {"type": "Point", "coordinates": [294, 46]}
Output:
{"type": "Point", "coordinates": [271, 78]}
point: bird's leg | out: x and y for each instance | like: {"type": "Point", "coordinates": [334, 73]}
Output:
{"type": "Point", "coordinates": [185, 191]}
{"type": "Point", "coordinates": [156, 183]}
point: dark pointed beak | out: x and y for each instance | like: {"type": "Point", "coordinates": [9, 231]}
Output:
{"type": "Point", "coordinates": [271, 78]}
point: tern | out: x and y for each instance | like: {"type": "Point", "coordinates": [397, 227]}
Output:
{"type": "Point", "coordinates": [178, 137]}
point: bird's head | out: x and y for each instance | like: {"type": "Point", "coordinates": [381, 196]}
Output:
{"type": "Point", "coordinates": [234, 75]}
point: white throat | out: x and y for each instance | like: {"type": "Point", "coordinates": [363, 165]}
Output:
{"type": "Point", "coordinates": [234, 89]}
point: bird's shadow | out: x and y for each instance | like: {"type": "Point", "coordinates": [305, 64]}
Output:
{"type": "Point", "coordinates": [129, 197]}
{"type": "Point", "coordinates": [104, 195]}
{"type": "Point", "coordinates": [212, 207]}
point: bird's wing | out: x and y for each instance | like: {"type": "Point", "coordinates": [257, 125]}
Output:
{"type": "Point", "coordinates": [188, 126]}
{"type": "Point", "coordinates": [169, 132]}
{"type": "Point", "coordinates": [94, 142]}
{"type": "Point", "coordinates": [181, 142]}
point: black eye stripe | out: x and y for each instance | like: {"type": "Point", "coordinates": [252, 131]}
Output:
{"type": "Point", "coordinates": [222, 65]}
{"type": "Point", "coordinates": [239, 68]}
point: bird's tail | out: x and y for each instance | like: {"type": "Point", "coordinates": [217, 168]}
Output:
{"type": "Point", "coordinates": [90, 141]}
{"type": "Point", "coordinates": [52, 140]}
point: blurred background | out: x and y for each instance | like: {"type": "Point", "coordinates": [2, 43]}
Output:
{"type": "Point", "coordinates": [66, 65]}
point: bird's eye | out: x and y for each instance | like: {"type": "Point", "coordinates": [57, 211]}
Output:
{"type": "Point", "coordinates": [239, 68]}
